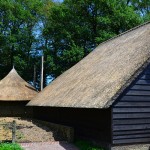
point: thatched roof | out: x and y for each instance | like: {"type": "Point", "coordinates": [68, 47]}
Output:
{"type": "Point", "coordinates": [97, 80]}
{"type": "Point", "coordinates": [14, 88]}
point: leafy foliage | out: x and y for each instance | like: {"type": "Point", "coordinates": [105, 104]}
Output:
{"type": "Point", "coordinates": [10, 146]}
{"type": "Point", "coordinates": [82, 25]}
{"type": "Point", "coordinates": [64, 32]}
{"type": "Point", "coordinates": [86, 145]}
{"type": "Point", "coordinates": [18, 20]}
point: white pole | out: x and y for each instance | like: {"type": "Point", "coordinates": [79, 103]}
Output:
{"type": "Point", "coordinates": [42, 68]}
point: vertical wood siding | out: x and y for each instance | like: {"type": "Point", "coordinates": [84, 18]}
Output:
{"type": "Point", "coordinates": [131, 112]}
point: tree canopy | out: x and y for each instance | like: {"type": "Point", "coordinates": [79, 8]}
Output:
{"type": "Point", "coordinates": [64, 32]}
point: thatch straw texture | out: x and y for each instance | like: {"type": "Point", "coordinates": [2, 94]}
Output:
{"type": "Point", "coordinates": [14, 88]}
{"type": "Point", "coordinates": [96, 81]}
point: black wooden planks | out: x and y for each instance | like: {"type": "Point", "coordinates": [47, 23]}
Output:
{"type": "Point", "coordinates": [131, 110]}
{"type": "Point", "coordinates": [131, 113]}
{"type": "Point", "coordinates": [131, 141]}
{"type": "Point", "coordinates": [134, 98]}
{"type": "Point", "coordinates": [133, 121]}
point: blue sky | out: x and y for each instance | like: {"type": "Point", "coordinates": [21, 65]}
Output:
{"type": "Point", "coordinates": [58, 0]}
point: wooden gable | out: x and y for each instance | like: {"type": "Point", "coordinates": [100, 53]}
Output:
{"type": "Point", "coordinates": [131, 112]}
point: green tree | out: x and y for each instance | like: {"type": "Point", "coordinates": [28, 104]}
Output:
{"type": "Point", "coordinates": [75, 27]}
{"type": "Point", "coordinates": [18, 20]}
{"type": "Point", "coordinates": [141, 7]}
{"type": "Point", "coordinates": [65, 32]}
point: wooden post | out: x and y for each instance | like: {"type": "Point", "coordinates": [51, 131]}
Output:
{"type": "Point", "coordinates": [13, 131]}
{"type": "Point", "coordinates": [42, 68]}
{"type": "Point", "coordinates": [34, 78]}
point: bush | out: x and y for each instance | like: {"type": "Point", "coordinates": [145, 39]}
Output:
{"type": "Point", "coordinates": [85, 145]}
{"type": "Point", "coordinates": [10, 146]}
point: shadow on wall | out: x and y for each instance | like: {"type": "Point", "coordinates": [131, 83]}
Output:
{"type": "Point", "coordinates": [92, 123]}
{"type": "Point", "coordinates": [15, 109]}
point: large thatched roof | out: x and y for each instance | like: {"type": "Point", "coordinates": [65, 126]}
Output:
{"type": "Point", "coordinates": [97, 80]}
{"type": "Point", "coordinates": [14, 88]}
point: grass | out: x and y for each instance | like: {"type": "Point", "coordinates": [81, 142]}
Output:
{"type": "Point", "coordinates": [86, 145]}
{"type": "Point", "coordinates": [10, 146]}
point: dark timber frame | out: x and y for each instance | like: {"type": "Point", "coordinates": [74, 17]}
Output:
{"type": "Point", "coordinates": [127, 121]}
{"type": "Point", "coordinates": [15, 109]}
{"type": "Point", "coordinates": [131, 112]}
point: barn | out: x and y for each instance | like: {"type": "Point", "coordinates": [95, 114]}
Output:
{"type": "Point", "coordinates": [106, 96]}
{"type": "Point", "coordinates": [15, 93]}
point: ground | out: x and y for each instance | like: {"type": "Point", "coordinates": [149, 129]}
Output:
{"type": "Point", "coordinates": [32, 135]}
{"type": "Point", "coordinates": [27, 130]}
{"type": "Point", "coordinates": [49, 146]}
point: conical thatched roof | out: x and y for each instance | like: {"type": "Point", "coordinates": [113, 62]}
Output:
{"type": "Point", "coordinates": [14, 88]}
{"type": "Point", "coordinates": [97, 80]}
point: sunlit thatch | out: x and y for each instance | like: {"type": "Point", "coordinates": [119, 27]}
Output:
{"type": "Point", "coordinates": [96, 80]}
{"type": "Point", "coordinates": [14, 88]}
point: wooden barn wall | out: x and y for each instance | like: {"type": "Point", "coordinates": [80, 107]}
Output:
{"type": "Point", "coordinates": [15, 109]}
{"type": "Point", "coordinates": [92, 123]}
{"type": "Point", "coordinates": [131, 112]}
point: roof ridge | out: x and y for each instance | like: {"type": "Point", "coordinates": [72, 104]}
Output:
{"type": "Point", "coordinates": [134, 28]}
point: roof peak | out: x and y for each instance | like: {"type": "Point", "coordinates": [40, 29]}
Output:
{"type": "Point", "coordinates": [13, 70]}
{"type": "Point", "coordinates": [14, 88]}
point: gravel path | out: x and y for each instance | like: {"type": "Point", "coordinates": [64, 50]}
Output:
{"type": "Point", "coordinates": [49, 146]}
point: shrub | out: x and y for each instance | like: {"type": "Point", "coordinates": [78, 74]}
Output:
{"type": "Point", "coordinates": [85, 145]}
{"type": "Point", "coordinates": [10, 146]}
